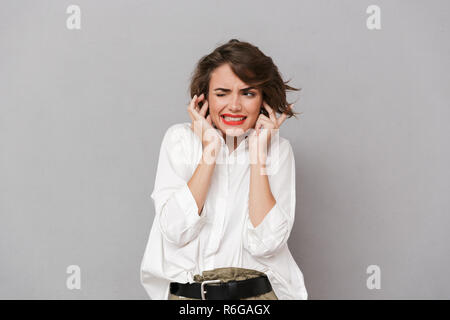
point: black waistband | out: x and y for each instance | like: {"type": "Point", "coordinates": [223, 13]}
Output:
{"type": "Point", "coordinates": [231, 290]}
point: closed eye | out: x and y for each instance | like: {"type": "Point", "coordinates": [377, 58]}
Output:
{"type": "Point", "coordinates": [251, 94]}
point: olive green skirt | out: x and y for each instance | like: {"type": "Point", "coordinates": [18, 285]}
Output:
{"type": "Point", "coordinates": [228, 274]}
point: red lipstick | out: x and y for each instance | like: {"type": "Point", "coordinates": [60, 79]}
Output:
{"type": "Point", "coordinates": [233, 122]}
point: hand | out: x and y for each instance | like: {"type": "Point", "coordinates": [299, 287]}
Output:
{"type": "Point", "coordinates": [203, 127]}
{"type": "Point", "coordinates": [259, 141]}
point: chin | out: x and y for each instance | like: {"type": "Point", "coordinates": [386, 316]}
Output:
{"type": "Point", "coordinates": [234, 132]}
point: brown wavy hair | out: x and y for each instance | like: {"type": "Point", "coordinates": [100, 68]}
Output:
{"type": "Point", "coordinates": [251, 66]}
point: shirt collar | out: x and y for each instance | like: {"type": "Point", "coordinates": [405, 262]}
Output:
{"type": "Point", "coordinates": [242, 142]}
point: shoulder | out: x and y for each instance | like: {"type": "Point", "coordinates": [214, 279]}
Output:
{"type": "Point", "coordinates": [179, 133]}
{"type": "Point", "coordinates": [178, 130]}
{"type": "Point", "coordinates": [180, 141]}
{"type": "Point", "coordinates": [281, 154]}
{"type": "Point", "coordinates": [281, 146]}
{"type": "Point", "coordinates": [284, 143]}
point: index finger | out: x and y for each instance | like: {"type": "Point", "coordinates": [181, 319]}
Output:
{"type": "Point", "coordinates": [191, 108]}
{"type": "Point", "coordinates": [270, 111]}
{"type": "Point", "coordinates": [283, 116]}
{"type": "Point", "coordinates": [192, 103]}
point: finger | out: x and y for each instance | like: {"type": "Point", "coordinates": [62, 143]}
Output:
{"type": "Point", "coordinates": [200, 98]}
{"type": "Point", "coordinates": [284, 116]}
{"type": "Point", "coordinates": [267, 123]}
{"type": "Point", "coordinates": [192, 119]}
{"type": "Point", "coordinates": [259, 142]}
{"type": "Point", "coordinates": [281, 119]}
{"type": "Point", "coordinates": [270, 111]}
{"type": "Point", "coordinates": [189, 110]}
{"type": "Point", "coordinates": [194, 108]}
{"type": "Point", "coordinates": [264, 122]}
{"type": "Point", "coordinates": [192, 103]}
{"type": "Point", "coordinates": [262, 116]}
{"type": "Point", "coordinates": [208, 118]}
{"type": "Point", "coordinates": [258, 126]}
{"type": "Point", "coordinates": [193, 114]}
{"type": "Point", "coordinates": [204, 108]}
{"type": "Point", "coordinates": [197, 125]}
{"type": "Point", "coordinates": [265, 131]}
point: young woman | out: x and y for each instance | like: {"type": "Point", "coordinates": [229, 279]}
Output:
{"type": "Point", "coordinates": [224, 193]}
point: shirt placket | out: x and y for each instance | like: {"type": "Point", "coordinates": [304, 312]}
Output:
{"type": "Point", "coordinates": [221, 210]}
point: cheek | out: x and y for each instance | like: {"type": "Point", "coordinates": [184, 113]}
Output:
{"type": "Point", "coordinates": [212, 107]}
{"type": "Point", "coordinates": [253, 111]}
{"type": "Point", "coordinates": [213, 110]}
{"type": "Point", "coordinates": [251, 120]}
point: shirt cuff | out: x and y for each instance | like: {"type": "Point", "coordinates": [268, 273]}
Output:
{"type": "Point", "coordinates": [266, 236]}
{"type": "Point", "coordinates": [186, 201]}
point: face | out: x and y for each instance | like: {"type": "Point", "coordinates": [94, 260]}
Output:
{"type": "Point", "coordinates": [233, 105]}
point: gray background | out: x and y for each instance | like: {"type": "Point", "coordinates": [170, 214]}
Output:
{"type": "Point", "coordinates": [83, 114]}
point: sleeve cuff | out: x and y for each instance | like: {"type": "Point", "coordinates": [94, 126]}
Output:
{"type": "Point", "coordinates": [272, 222]}
{"type": "Point", "coordinates": [186, 201]}
{"type": "Point", "coordinates": [267, 235]}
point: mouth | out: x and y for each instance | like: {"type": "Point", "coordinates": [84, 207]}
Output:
{"type": "Point", "coordinates": [233, 120]}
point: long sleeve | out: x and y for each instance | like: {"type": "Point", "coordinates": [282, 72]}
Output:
{"type": "Point", "coordinates": [183, 244]}
{"type": "Point", "coordinates": [175, 206]}
{"type": "Point", "coordinates": [272, 233]}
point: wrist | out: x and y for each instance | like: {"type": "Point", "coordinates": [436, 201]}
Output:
{"type": "Point", "coordinates": [259, 168]}
{"type": "Point", "coordinates": [259, 160]}
{"type": "Point", "coordinates": [209, 155]}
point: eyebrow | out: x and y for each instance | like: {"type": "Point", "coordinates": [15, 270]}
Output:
{"type": "Point", "coordinates": [228, 90]}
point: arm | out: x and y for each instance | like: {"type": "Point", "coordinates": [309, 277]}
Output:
{"type": "Point", "coordinates": [200, 182]}
{"type": "Point", "coordinates": [271, 205]}
{"type": "Point", "coordinates": [178, 194]}
{"type": "Point", "coordinates": [261, 199]}
{"type": "Point", "coordinates": [203, 128]}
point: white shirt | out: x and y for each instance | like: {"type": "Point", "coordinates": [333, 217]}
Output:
{"type": "Point", "coordinates": [183, 243]}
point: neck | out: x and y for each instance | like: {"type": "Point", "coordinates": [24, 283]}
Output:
{"type": "Point", "coordinates": [231, 142]}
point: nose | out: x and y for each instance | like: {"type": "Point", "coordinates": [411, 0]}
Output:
{"type": "Point", "coordinates": [235, 104]}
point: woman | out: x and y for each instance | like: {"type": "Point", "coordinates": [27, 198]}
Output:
{"type": "Point", "coordinates": [225, 188]}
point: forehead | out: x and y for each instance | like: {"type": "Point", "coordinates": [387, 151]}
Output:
{"type": "Point", "coordinates": [224, 76]}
